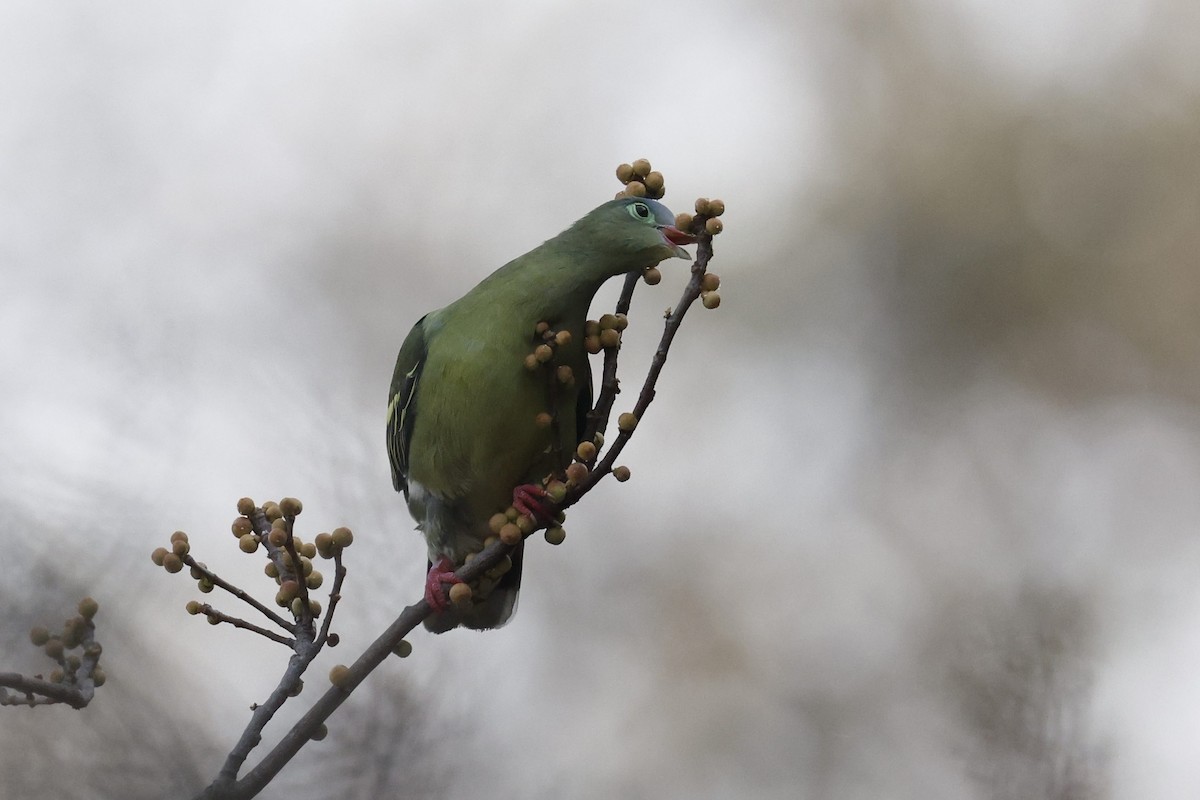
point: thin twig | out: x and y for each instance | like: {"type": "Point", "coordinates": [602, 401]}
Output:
{"type": "Point", "coordinates": [240, 594]}
{"type": "Point", "coordinates": [212, 613]}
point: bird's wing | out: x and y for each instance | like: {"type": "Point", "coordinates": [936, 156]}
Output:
{"type": "Point", "coordinates": [402, 403]}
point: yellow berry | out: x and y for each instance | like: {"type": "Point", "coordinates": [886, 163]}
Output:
{"type": "Point", "coordinates": [205, 585]}
{"type": "Point", "coordinates": [543, 353]}
{"type": "Point", "coordinates": [98, 676]}
{"type": "Point", "coordinates": [702, 205]}
{"type": "Point", "coordinates": [510, 533]}
{"type": "Point", "coordinates": [621, 322]}
{"type": "Point", "coordinates": [641, 167]}
{"type": "Point", "coordinates": [625, 173]}
{"type": "Point", "coordinates": [180, 547]}
{"type": "Point", "coordinates": [541, 328]}
{"type": "Point", "coordinates": [627, 422]}
{"type": "Point", "coordinates": [621, 473]}
{"type": "Point", "coordinates": [555, 535]}
{"type": "Point", "coordinates": [39, 636]}
{"type": "Point", "coordinates": [88, 608]}
{"type": "Point", "coordinates": [562, 338]}
{"type": "Point", "coordinates": [290, 506]}
{"type": "Point", "coordinates": [342, 537]}
{"type": "Point", "coordinates": [460, 594]}
{"type": "Point", "coordinates": [652, 276]}
{"type": "Point", "coordinates": [683, 220]}
{"type": "Point", "coordinates": [543, 420]}
{"type": "Point", "coordinates": [158, 555]}
{"type": "Point", "coordinates": [531, 362]}
{"type": "Point", "coordinates": [654, 181]}
{"type": "Point", "coordinates": [556, 490]}
{"type": "Point", "coordinates": [586, 451]}
{"type": "Point", "coordinates": [314, 607]}
{"type": "Point", "coordinates": [177, 536]}
{"type": "Point", "coordinates": [272, 510]}
{"type": "Point", "coordinates": [710, 282]}
{"type": "Point", "coordinates": [241, 526]}
{"type": "Point", "coordinates": [323, 542]}
{"type": "Point", "coordinates": [314, 580]}
{"type": "Point", "coordinates": [193, 607]}
{"type": "Point", "coordinates": [577, 472]}
{"type": "Point", "coordinates": [565, 375]}
{"type": "Point", "coordinates": [248, 543]}
{"type": "Point", "coordinates": [610, 338]}
{"type": "Point", "coordinates": [339, 676]}
{"type": "Point", "coordinates": [403, 649]}
{"type": "Point", "coordinates": [714, 226]}
{"type": "Point", "coordinates": [277, 537]}
{"type": "Point", "coordinates": [172, 563]}
{"type": "Point", "coordinates": [592, 344]}
{"type": "Point", "coordinates": [526, 524]}
{"type": "Point", "coordinates": [496, 522]}
{"type": "Point", "coordinates": [716, 207]}
{"type": "Point", "coordinates": [308, 549]}
{"type": "Point", "coordinates": [635, 189]}
{"type": "Point", "coordinates": [591, 328]}
{"type": "Point", "coordinates": [245, 506]}
{"type": "Point", "coordinates": [710, 299]}
{"type": "Point", "coordinates": [53, 648]}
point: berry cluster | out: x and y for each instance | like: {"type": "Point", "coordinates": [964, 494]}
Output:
{"type": "Point", "coordinates": [289, 564]}
{"type": "Point", "coordinates": [77, 634]}
{"type": "Point", "coordinates": [640, 180]}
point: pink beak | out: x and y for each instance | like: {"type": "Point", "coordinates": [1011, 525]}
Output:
{"type": "Point", "coordinates": [676, 236]}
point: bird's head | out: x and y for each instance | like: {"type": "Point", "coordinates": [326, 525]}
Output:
{"type": "Point", "coordinates": [633, 233]}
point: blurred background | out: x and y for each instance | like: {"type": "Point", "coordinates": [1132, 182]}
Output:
{"type": "Point", "coordinates": [913, 515]}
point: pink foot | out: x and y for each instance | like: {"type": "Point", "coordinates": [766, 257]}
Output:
{"type": "Point", "coordinates": [529, 498]}
{"type": "Point", "coordinates": [441, 571]}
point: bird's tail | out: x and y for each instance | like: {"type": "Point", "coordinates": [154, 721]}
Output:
{"type": "Point", "coordinates": [489, 609]}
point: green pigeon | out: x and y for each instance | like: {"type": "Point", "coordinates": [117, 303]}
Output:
{"type": "Point", "coordinates": [462, 435]}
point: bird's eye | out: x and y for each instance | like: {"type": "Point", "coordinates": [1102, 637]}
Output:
{"type": "Point", "coordinates": [639, 211]}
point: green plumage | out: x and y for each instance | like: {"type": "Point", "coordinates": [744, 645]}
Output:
{"type": "Point", "coordinates": [461, 429]}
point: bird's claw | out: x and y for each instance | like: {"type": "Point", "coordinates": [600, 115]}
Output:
{"type": "Point", "coordinates": [532, 500]}
{"type": "Point", "coordinates": [440, 571]}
